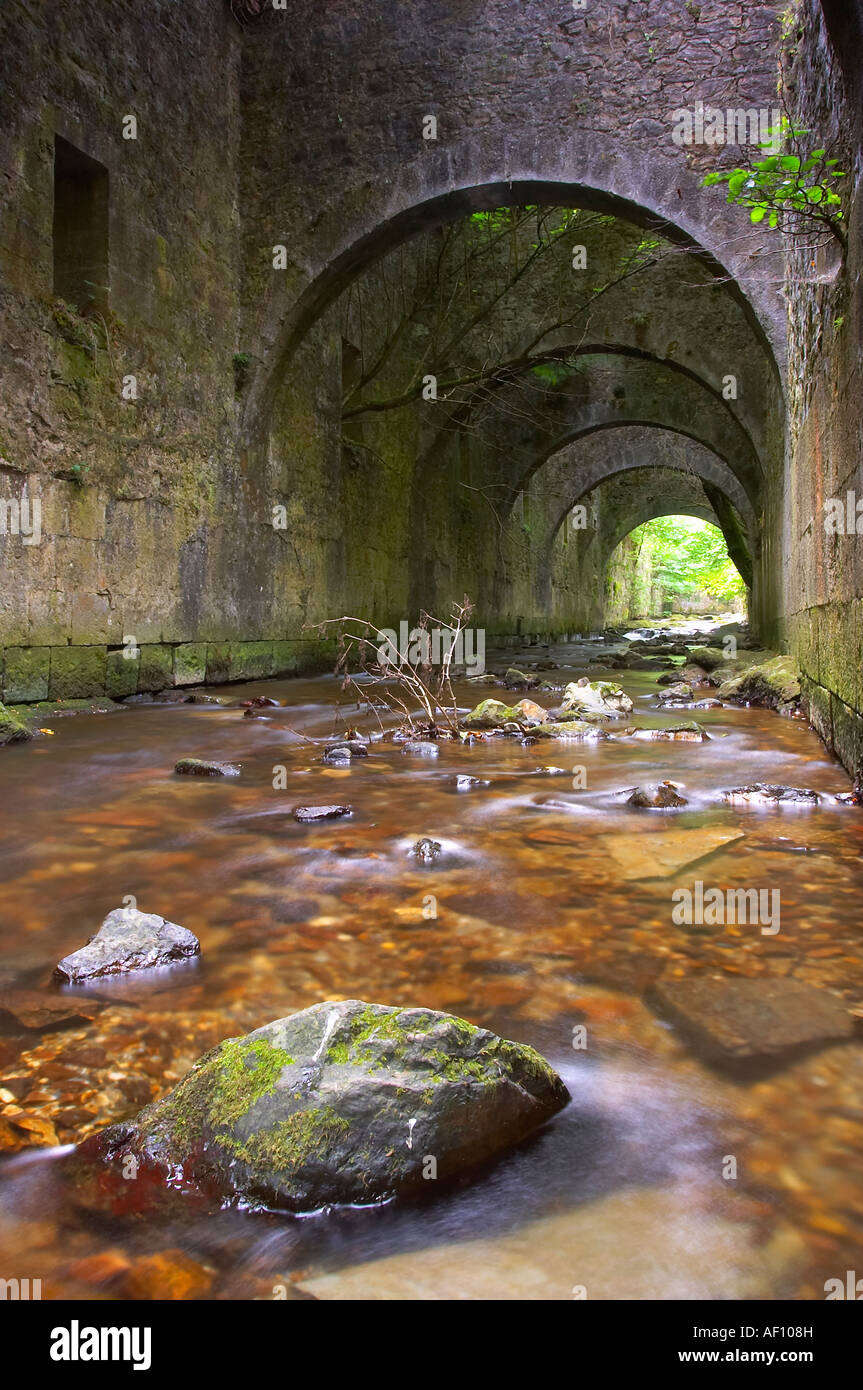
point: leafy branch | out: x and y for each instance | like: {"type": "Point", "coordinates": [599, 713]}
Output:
{"type": "Point", "coordinates": [793, 193]}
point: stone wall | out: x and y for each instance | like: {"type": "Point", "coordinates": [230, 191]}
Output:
{"type": "Point", "coordinates": [824, 618]}
{"type": "Point", "coordinates": [157, 502]}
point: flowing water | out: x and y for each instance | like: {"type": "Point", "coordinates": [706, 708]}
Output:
{"type": "Point", "coordinates": [554, 910]}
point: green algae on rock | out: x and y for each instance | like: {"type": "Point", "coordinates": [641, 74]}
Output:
{"type": "Point", "coordinates": [12, 728]}
{"type": "Point", "coordinates": [342, 1103]}
{"type": "Point", "coordinates": [774, 684]}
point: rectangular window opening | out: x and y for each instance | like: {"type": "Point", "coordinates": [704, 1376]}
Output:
{"type": "Point", "coordinates": [80, 229]}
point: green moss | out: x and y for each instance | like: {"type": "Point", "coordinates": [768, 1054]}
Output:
{"type": "Point", "coordinates": [219, 1090]}
{"type": "Point", "coordinates": [246, 1071]}
{"type": "Point", "coordinates": [12, 729]}
{"type": "Point", "coordinates": [309, 1134]}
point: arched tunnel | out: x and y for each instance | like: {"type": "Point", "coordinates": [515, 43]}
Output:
{"type": "Point", "coordinates": [431, 666]}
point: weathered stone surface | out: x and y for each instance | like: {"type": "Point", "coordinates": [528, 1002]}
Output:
{"type": "Point", "coordinates": [190, 663]}
{"type": "Point", "coordinates": [519, 680]}
{"type": "Point", "coordinates": [678, 690]}
{"type": "Point", "coordinates": [597, 697]}
{"type": "Point", "coordinates": [488, 714]}
{"type": "Point", "coordinates": [129, 940]}
{"type": "Point", "coordinates": [341, 1103]}
{"type": "Point", "coordinates": [156, 667]}
{"type": "Point", "coordinates": [688, 732]}
{"type": "Point", "coordinates": [77, 672]}
{"type": "Point", "coordinates": [733, 1022]}
{"type": "Point", "coordinates": [121, 674]}
{"type": "Point", "coordinates": [764, 794]}
{"type": "Point", "coordinates": [313, 813]}
{"type": "Point", "coordinates": [202, 767]}
{"type": "Point", "coordinates": [421, 748]}
{"type": "Point", "coordinates": [341, 754]}
{"type": "Point", "coordinates": [26, 673]}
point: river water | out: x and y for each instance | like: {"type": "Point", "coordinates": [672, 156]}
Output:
{"type": "Point", "coordinates": [553, 910]}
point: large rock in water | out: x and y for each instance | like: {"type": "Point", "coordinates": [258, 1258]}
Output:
{"type": "Point", "coordinates": [129, 940]}
{"type": "Point", "coordinates": [774, 683]}
{"type": "Point", "coordinates": [342, 1103]}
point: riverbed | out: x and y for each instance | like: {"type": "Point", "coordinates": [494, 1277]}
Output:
{"type": "Point", "coordinates": [548, 911]}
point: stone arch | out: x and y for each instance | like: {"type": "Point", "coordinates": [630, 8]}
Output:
{"type": "Point", "coordinates": [567, 477]}
{"type": "Point", "coordinates": [290, 309]}
{"type": "Point", "coordinates": [617, 388]}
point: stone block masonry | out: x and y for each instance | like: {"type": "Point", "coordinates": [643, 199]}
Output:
{"type": "Point", "coordinates": [88, 672]}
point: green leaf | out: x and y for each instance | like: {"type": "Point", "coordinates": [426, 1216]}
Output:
{"type": "Point", "coordinates": [757, 213]}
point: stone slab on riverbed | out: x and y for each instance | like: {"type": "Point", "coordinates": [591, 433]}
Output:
{"type": "Point", "coordinates": [735, 1023]}
{"type": "Point", "coordinates": [128, 940]}
{"type": "Point", "coordinates": [342, 1103]}
{"type": "Point", "coordinates": [660, 853]}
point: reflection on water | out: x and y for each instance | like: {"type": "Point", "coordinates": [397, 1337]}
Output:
{"type": "Point", "coordinates": [550, 914]}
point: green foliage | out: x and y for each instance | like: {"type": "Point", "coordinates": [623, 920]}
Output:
{"type": "Point", "coordinates": [552, 373]}
{"type": "Point", "coordinates": [788, 191]}
{"type": "Point", "coordinates": [689, 556]}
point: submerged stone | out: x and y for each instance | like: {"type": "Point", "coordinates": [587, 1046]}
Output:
{"type": "Point", "coordinates": [735, 1023]}
{"type": "Point", "coordinates": [129, 940]}
{"type": "Point", "coordinates": [200, 767]}
{"type": "Point", "coordinates": [465, 783]}
{"type": "Point", "coordinates": [343, 1102]}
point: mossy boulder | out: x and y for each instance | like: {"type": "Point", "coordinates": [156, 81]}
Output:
{"type": "Point", "coordinates": [343, 1103]}
{"type": "Point", "coordinates": [519, 680]}
{"type": "Point", "coordinates": [12, 727]}
{"type": "Point", "coordinates": [597, 697]}
{"type": "Point", "coordinates": [774, 684]}
{"type": "Point", "coordinates": [708, 657]}
{"type": "Point", "coordinates": [494, 714]}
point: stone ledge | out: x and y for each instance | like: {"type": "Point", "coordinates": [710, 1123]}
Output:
{"type": "Point", "coordinates": [32, 674]}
